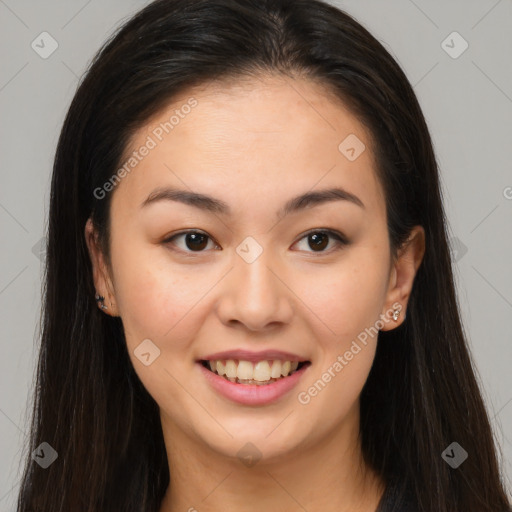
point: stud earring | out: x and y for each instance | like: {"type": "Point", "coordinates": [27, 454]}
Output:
{"type": "Point", "coordinates": [396, 314]}
{"type": "Point", "coordinates": [100, 300]}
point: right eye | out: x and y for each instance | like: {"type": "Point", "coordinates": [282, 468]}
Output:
{"type": "Point", "coordinates": [195, 241]}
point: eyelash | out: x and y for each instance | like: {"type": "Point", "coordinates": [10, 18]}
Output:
{"type": "Point", "coordinates": [341, 240]}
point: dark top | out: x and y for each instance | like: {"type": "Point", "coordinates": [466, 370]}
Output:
{"type": "Point", "coordinates": [396, 498]}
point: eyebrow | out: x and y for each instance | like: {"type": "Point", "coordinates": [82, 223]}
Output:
{"type": "Point", "coordinates": [211, 204]}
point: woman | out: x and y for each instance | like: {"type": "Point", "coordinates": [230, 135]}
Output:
{"type": "Point", "coordinates": [249, 299]}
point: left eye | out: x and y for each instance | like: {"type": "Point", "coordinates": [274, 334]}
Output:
{"type": "Point", "coordinates": [320, 238]}
{"type": "Point", "coordinates": [196, 241]}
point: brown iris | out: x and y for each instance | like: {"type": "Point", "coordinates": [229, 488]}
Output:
{"type": "Point", "coordinates": [318, 240]}
{"type": "Point", "coordinates": [196, 241]}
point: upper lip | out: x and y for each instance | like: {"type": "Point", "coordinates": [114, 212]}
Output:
{"type": "Point", "coordinates": [247, 355]}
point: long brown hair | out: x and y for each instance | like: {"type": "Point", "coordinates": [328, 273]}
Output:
{"type": "Point", "coordinates": [89, 405]}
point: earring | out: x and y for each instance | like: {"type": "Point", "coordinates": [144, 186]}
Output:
{"type": "Point", "coordinates": [396, 314]}
{"type": "Point", "coordinates": [100, 300]}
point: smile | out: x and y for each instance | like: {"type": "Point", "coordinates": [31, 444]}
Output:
{"type": "Point", "coordinates": [252, 383]}
{"type": "Point", "coordinates": [253, 373]}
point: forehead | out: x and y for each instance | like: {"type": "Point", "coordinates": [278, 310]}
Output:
{"type": "Point", "coordinates": [280, 133]}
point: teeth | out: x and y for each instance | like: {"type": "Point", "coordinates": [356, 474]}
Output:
{"type": "Point", "coordinates": [231, 369]}
{"type": "Point", "coordinates": [221, 368]}
{"type": "Point", "coordinates": [259, 372]}
{"type": "Point", "coordinates": [275, 371]}
{"type": "Point", "coordinates": [245, 370]}
{"type": "Point", "coordinates": [285, 368]}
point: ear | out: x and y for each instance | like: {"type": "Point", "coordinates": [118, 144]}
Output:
{"type": "Point", "coordinates": [402, 275]}
{"type": "Point", "coordinates": [101, 276]}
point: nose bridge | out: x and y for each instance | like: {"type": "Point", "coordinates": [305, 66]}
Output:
{"type": "Point", "coordinates": [254, 295]}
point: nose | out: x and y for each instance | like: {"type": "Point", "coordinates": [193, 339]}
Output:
{"type": "Point", "coordinates": [255, 296]}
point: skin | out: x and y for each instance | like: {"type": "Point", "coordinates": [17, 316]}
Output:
{"type": "Point", "coordinates": [254, 145]}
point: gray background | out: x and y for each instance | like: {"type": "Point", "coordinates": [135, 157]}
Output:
{"type": "Point", "coordinates": [467, 102]}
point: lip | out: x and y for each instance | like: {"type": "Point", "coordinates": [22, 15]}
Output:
{"type": "Point", "coordinates": [247, 355]}
{"type": "Point", "coordinates": [252, 394]}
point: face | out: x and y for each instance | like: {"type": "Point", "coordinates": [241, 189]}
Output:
{"type": "Point", "coordinates": [251, 274]}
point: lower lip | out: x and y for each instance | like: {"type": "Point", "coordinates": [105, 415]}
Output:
{"type": "Point", "coordinates": [252, 394]}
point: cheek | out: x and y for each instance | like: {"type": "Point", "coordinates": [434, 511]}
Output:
{"type": "Point", "coordinates": [155, 299]}
{"type": "Point", "coordinates": [347, 297]}
{"type": "Point", "coordinates": [332, 391]}
{"type": "Point", "coordinates": [350, 306]}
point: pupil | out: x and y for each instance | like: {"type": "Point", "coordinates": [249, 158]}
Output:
{"type": "Point", "coordinates": [319, 244]}
{"type": "Point", "coordinates": [196, 241]}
